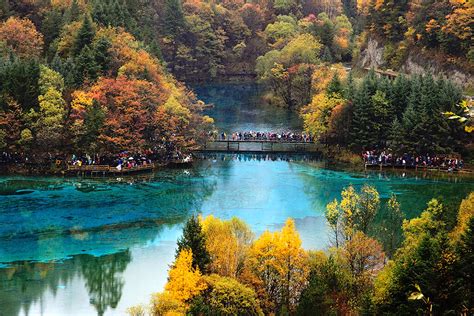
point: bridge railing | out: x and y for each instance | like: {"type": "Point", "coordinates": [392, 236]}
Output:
{"type": "Point", "coordinates": [261, 146]}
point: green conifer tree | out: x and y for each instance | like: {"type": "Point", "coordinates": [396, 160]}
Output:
{"type": "Point", "coordinates": [93, 122]}
{"type": "Point", "coordinates": [362, 136]}
{"type": "Point", "coordinates": [173, 18]}
{"type": "Point", "coordinates": [194, 239]}
{"type": "Point", "coordinates": [85, 36]}
{"type": "Point", "coordinates": [86, 68]}
{"type": "Point", "coordinates": [73, 12]}
{"type": "Point", "coordinates": [102, 54]}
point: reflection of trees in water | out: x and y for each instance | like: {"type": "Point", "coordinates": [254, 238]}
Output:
{"type": "Point", "coordinates": [24, 283]}
{"type": "Point", "coordinates": [103, 276]}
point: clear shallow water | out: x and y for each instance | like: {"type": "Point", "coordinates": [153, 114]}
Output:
{"type": "Point", "coordinates": [238, 107]}
{"type": "Point", "coordinates": [83, 247]}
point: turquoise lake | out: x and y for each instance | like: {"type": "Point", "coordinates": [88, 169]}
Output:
{"type": "Point", "coordinates": [72, 246]}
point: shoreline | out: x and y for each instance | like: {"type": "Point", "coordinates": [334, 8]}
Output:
{"type": "Point", "coordinates": [38, 170]}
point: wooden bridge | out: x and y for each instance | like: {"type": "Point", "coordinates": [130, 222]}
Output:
{"type": "Point", "coordinates": [261, 146]}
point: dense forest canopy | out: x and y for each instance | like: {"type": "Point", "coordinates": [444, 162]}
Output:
{"type": "Point", "coordinates": [98, 76]}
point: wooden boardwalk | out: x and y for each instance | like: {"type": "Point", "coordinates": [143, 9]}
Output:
{"type": "Point", "coordinates": [106, 170]}
{"type": "Point", "coordinates": [254, 146]}
{"type": "Point", "coordinates": [416, 168]}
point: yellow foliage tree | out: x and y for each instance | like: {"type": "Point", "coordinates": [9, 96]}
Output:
{"type": "Point", "coordinates": [184, 282]}
{"type": "Point", "coordinates": [466, 211]}
{"type": "Point", "coordinates": [280, 267]}
{"type": "Point", "coordinates": [323, 75]}
{"type": "Point", "coordinates": [237, 238]}
{"type": "Point", "coordinates": [316, 115]}
{"type": "Point", "coordinates": [349, 205]}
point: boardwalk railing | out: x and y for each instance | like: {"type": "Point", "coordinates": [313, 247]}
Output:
{"type": "Point", "coordinates": [261, 146]}
{"type": "Point", "coordinates": [106, 169]}
{"type": "Point", "coordinates": [382, 166]}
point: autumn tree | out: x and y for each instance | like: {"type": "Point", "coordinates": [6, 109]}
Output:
{"type": "Point", "coordinates": [52, 109]}
{"type": "Point", "coordinates": [288, 71]}
{"type": "Point", "coordinates": [225, 296]}
{"type": "Point", "coordinates": [184, 283]}
{"type": "Point", "coordinates": [355, 212]}
{"type": "Point", "coordinates": [333, 217]}
{"type": "Point", "coordinates": [237, 237]}
{"type": "Point", "coordinates": [11, 126]}
{"type": "Point", "coordinates": [365, 258]}
{"type": "Point", "coordinates": [21, 37]}
{"type": "Point", "coordinates": [280, 268]}
{"type": "Point", "coordinates": [369, 203]}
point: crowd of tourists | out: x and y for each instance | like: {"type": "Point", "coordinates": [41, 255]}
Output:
{"type": "Point", "coordinates": [373, 157]}
{"type": "Point", "coordinates": [124, 160]}
{"type": "Point", "coordinates": [267, 136]}
{"type": "Point", "coordinates": [31, 158]}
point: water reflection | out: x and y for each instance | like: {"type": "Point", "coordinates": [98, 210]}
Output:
{"type": "Point", "coordinates": [239, 107]}
{"type": "Point", "coordinates": [23, 284]}
{"type": "Point", "coordinates": [103, 278]}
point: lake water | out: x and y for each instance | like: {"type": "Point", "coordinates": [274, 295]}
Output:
{"type": "Point", "coordinates": [83, 247]}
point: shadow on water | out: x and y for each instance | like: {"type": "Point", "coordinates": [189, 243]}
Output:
{"type": "Point", "coordinates": [25, 283]}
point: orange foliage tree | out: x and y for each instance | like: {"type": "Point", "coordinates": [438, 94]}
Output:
{"type": "Point", "coordinates": [21, 37]}
{"type": "Point", "coordinates": [130, 106]}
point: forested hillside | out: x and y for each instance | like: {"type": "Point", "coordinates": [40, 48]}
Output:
{"type": "Point", "coordinates": [73, 82]}
{"type": "Point", "coordinates": [98, 76]}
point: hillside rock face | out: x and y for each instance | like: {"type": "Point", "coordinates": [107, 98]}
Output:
{"type": "Point", "coordinates": [372, 55]}
{"type": "Point", "coordinates": [415, 63]}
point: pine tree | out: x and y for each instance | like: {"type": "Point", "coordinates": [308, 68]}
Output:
{"type": "Point", "coordinates": [102, 54]}
{"type": "Point", "coordinates": [327, 56]}
{"type": "Point", "coordinates": [350, 90]}
{"type": "Point", "coordinates": [334, 86]}
{"type": "Point", "coordinates": [99, 13]}
{"type": "Point", "coordinates": [381, 115]}
{"type": "Point", "coordinates": [85, 68]}
{"type": "Point", "coordinates": [85, 36]}
{"type": "Point", "coordinates": [93, 122]}
{"type": "Point", "coordinates": [51, 26]}
{"type": "Point", "coordinates": [173, 18]}
{"type": "Point", "coordinates": [19, 80]}
{"type": "Point", "coordinates": [193, 238]}
{"type": "Point", "coordinates": [396, 137]}
{"type": "Point", "coordinates": [73, 12]}
{"type": "Point", "coordinates": [400, 95]}
{"type": "Point", "coordinates": [414, 118]}
{"type": "Point", "coordinates": [362, 136]}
